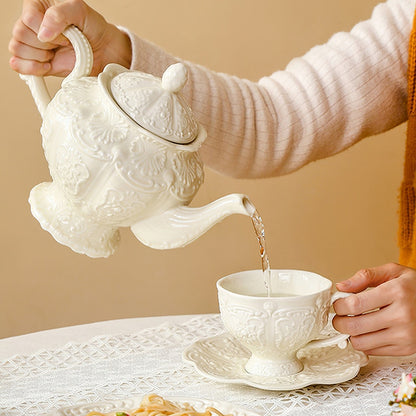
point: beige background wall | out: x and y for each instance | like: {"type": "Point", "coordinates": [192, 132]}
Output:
{"type": "Point", "coordinates": [332, 217]}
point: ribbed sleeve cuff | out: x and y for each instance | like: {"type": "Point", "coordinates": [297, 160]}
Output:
{"type": "Point", "coordinates": [148, 57]}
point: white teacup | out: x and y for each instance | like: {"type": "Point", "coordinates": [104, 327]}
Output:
{"type": "Point", "coordinates": [274, 328]}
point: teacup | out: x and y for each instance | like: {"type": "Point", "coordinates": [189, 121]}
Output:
{"type": "Point", "coordinates": [275, 328]}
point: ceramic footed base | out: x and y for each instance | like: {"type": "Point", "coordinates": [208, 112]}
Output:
{"type": "Point", "coordinates": [222, 358]}
{"type": "Point", "coordinates": [262, 367]}
{"type": "Point", "coordinates": [59, 218]}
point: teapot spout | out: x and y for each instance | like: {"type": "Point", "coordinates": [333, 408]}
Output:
{"type": "Point", "coordinates": [180, 226]}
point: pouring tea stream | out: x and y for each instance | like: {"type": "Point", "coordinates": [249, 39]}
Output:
{"type": "Point", "coordinates": [122, 150]}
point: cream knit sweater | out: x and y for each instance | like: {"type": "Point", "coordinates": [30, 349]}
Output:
{"type": "Point", "coordinates": [352, 87]}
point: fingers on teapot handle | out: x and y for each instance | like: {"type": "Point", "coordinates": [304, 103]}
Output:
{"type": "Point", "coordinates": [82, 68]}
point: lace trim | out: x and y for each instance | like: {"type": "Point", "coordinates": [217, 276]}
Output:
{"type": "Point", "coordinates": [120, 366]}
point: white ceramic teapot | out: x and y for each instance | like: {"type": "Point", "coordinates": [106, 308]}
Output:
{"type": "Point", "coordinates": [122, 152]}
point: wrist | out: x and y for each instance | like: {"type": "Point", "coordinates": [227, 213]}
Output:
{"type": "Point", "coordinates": [119, 49]}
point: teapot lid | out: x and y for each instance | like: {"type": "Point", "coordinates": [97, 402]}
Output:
{"type": "Point", "coordinates": [155, 104]}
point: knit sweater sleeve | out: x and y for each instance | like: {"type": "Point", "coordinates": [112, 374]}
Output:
{"type": "Point", "coordinates": [352, 87]}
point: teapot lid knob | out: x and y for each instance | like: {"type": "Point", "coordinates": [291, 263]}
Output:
{"type": "Point", "coordinates": [175, 77]}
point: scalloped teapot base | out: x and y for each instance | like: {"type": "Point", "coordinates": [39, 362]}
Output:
{"type": "Point", "coordinates": [57, 216]}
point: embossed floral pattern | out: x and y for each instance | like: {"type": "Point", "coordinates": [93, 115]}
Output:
{"type": "Point", "coordinates": [81, 94]}
{"type": "Point", "coordinates": [69, 169]}
{"type": "Point", "coordinates": [288, 324]}
{"type": "Point", "coordinates": [163, 113]}
{"type": "Point", "coordinates": [247, 324]}
{"type": "Point", "coordinates": [97, 132]}
{"type": "Point", "coordinates": [147, 157]}
{"type": "Point", "coordinates": [107, 127]}
{"type": "Point", "coordinates": [252, 325]}
{"type": "Point", "coordinates": [118, 206]}
{"type": "Point", "coordinates": [189, 174]}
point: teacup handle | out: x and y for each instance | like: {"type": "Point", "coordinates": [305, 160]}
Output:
{"type": "Point", "coordinates": [82, 68]}
{"type": "Point", "coordinates": [341, 340]}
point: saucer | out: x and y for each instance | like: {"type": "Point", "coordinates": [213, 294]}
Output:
{"type": "Point", "coordinates": [222, 358]}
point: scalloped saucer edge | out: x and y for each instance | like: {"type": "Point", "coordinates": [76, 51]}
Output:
{"type": "Point", "coordinates": [222, 358]}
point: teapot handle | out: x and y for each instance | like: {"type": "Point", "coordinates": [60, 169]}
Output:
{"type": "Point", "coordinates": [82, 68]}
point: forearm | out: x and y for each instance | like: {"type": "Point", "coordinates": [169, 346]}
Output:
{"type": "Point", "coordinates": [352, 87]}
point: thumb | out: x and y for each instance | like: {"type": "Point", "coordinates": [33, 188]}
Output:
{"type": "Point", "coordinates": [370, 277]}
{"type": "Point", "coordinates": [58, 17]}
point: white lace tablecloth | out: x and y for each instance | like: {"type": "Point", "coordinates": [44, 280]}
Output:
{"type": "Point", "coordinates": [116, 366]}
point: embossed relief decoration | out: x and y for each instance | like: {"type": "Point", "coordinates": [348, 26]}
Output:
{"type": "Point", "coordinates": [252, 325]}
{"type": "Point", "coordinates": [247, 323]}
{"type": "Point", "coordinates": [161, 112]}
{"type": "Point", "coordinates": [144, 161]}
{"type": "Point", "coordinates": [101, 133]}
{"type": "Point", "coordinates": [189, 175]}
{"type": "Point", "coordinates": [95, 126]}
{"type": "Point", "coordinates": [69, 170]}
{"type": "Point", "coordinates": [116, 207]}
{"type": "Point", "coordinates": [287, 323]}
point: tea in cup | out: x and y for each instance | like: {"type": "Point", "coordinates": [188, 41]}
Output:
{"type": "Point", "coordinates": [274, 328]}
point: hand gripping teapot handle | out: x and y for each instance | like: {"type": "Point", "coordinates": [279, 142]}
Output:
{"type": "Point", "coordinates": [82, 68]}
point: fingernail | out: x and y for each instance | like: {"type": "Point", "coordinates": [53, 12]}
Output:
{"type": "Point", "coordinates": [45, 34]}
{"type": "Point", "coordinates": [345, 284]}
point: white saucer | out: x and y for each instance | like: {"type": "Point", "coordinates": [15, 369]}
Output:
{"type": "Point", "coordinates": [222, 358]}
